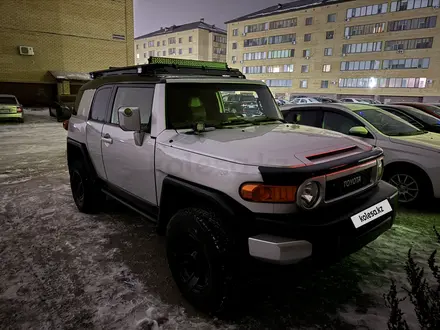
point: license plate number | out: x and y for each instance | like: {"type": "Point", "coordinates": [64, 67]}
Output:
{"type": "Point", "coordinates": [4, 110]}
{"type": "Point", "coordinates": [371, 214]}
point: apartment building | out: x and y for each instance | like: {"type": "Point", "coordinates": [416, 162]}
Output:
{"type": "Point", "coordinates": [384, 49]}
{"type": "Point", "coordinates": [48, 47]}
{"type": "Point", "coordinates": [196, 40]}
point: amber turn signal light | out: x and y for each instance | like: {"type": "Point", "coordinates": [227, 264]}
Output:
{"type": "Point", "coordinates": [255, 192]}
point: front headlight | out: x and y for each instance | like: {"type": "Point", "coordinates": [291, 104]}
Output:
{"type": "Point", "coordinates": [308, 194]}
{"type": "Point", "coordinates": [380, 168]}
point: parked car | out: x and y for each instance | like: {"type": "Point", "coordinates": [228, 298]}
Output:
{"type": "Point", "coordinates": [304, 100]}
{"type": "Point", "coordinates": [242, 103]}
{"type": "Point", "coordinates": [428, 108]}
{"type": "Point", "coordinates": [414, 116]}
{"type": "Point", "coordinates": [325, 99]}
{"type": "Point", "coordinates": [221, 187]}
{"type": "Point", "coordinates": [283, 102]}
{"type": "Point", "coordinates": [353, 100]}
{"type": "Point", "coordinates": [10, 108]}
{"type": "Point", "coordinates": [371, 101]}
{"type": "Point", "coordinates": [60, 111]}
{"type": "Point", "coordinates": [412, 156]}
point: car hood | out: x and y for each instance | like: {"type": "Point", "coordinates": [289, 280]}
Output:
{"type": "Point", "coordinates": [429, 141]}
{"type": "Point", "coordinates": [266, 145]}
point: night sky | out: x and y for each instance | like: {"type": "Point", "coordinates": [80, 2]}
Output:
{"type": "Point", "coordinates": [151, 15]}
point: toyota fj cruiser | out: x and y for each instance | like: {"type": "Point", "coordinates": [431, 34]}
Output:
{"type": "Point", "coordinates": [221, 186]}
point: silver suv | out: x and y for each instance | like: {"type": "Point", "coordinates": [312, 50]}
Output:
{"type": "Point", "coordinates": [224, 188]}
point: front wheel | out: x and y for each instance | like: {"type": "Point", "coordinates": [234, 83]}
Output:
{"type": "Point", "coordinates": [201, 259]}
{"type": "Point", "coordinates": [414, 188]}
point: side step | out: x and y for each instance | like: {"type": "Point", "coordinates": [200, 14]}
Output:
{"type": "Point", "coordinates": [149, 217]}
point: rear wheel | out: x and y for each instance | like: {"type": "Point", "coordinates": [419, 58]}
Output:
{"type": "Point", "coordinates": [413, 185]}
{"type": "Point", "coordinates": [201, 259]}
{"type": "Point", "coordinates": [87, 197]}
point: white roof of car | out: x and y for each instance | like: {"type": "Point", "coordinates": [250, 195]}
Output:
{"type": "Point", "coordinates": [7, 95]}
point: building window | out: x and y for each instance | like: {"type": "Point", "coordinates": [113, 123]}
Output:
{"type": "Point", "coordinates": [407, 63]}
{"type": "Point", "coordinates": [358, 30]}
{"type": "Point", "coordinates": [256, 27]}
{"type": "Point", "coordinates": [329, 35]}
{"type": "Point", "coordinates": [180, 40]}
{"type": "Point", "coordinates": [326, 68]}
{"type": "Point", "coordinates": [324, 83]}
{"type": "Point", "coordinates": [151, 53]}
{"type": "Point", "coordinates": [364, 47]}
{"type": "Point", "coordinates": [309, 20]}
{"type": "Point", "coordinates": [190, 50]}
{"type": "Point", "coordinates": [145, 45]}
{"type": "Point", "coordinates": [190, 38]}
{"type": "Point", "coordinates": [254, 56]}
{"type": "Point", "coordinates": [171, 51]}
{"type": "Point", "coordinates": [288, 68]}
{"type": "Point", "coordinates": [180, 51]}
{"type": "Point", "coordinates": [282, 39]}
{"type": "Point", "coordinates": [306, 53]}
{"type": "Point", "coordinates": [164, 42]}
{"type": "Point", "coordinates": [286, 23]}
{"type": "Point", "coordinates": [360, 65]}
{"type": "Point", "coordinates": [308, 37]}
{"type": "Point", "coordinates": [409, 44]}
{"type": "Point", "coordinates": [220, 39]}
{"type": "Point", "coordinates": [279, 83]}
{"type": "Point", "coordinates": [234, 59]}
{"type": "Point", "coordinates": [137, 47]}
{"type": "Point", "coordinates": [219, 51]}
{"type": "Point", "coordinates": [331, 18]}
{"type": "Point", "coordinates": [137, 55]}
{"type": "Point", "coordinates": [304, 68]}
{"type": "Point", "coordinates": [158, 44]}
{"type": "Point", "coordinates": [285, 53]}
{"type": "Point", "coordinates": [279, 68]}
{"type": "Point", "coordinates": [254, 69]}
{"type": "Point", "coordinates": [303, 84]}
{"type": "Point", "coordinates": [145, 55]}
{"type": "Point", "coordinates": [234, 45]}
{"type": "Point", "coordinates": [150, 43]}
{"type": "Point", "coordinates": [171, 40]}
{"type": "Point", "coordinates": [235, 32]}
{"type": "Point", "coordinates": [413, 4]}
{"type": "Point", "coordinates": [382, 82]}
{"type": "Point", "coordinates": [367, 10]}
{"type": "Point", "coordinates": [328, 51]}
{"type": "Point", "coordinates": [254, 42]}
{"type": "Point", "coordinates": [164, 53]}
{"type": "Point", "coordinates": [413, 24]}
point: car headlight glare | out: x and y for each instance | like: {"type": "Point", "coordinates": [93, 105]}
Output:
{"type": "Point", "coordinates": [309, 194]}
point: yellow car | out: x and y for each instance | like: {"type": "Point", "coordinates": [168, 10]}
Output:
{"type": "Point", "coordinates": [10, 108]}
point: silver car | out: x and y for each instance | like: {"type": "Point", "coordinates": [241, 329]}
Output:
{"type": "Point", "coordinates": [412, 156]}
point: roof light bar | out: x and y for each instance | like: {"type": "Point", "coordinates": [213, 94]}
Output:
{"type": "Point", "coordinates": [188, 63]}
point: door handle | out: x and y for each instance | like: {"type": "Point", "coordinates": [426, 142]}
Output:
{"type": "Point", "coordinates": [107, 138]}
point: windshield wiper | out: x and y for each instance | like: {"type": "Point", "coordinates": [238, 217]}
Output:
{"type": "Point", "coordinates": [408, 133]}
{"type": "Point", "coordinates": [266, 119]}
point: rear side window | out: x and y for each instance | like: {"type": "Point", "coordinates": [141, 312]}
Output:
{"type": "Point", "coordinates": [84, 102]}
{"type": "Point", "coordinates": [308, 117]}
{"type": "Point", "coordinates": [100, 103]}
{"type": "Point", "coordinates": [140, 97]}
{"type": "Point", "coordinates": [339, 123]}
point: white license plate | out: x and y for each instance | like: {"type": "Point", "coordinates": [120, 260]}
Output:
{"type": "Point", "coordinates": [371, 214]}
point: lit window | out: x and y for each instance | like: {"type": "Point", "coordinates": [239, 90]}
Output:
{"type": "Point", "coordinates": [303, 84]}
{"type": "Point", "coordinates": [326, 68]}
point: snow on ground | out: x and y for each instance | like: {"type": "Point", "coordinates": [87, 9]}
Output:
{"type": "Point", "coordinates": [63, 269]}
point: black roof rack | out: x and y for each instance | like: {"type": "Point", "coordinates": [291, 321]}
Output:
{"type": "Point", "coordinates": [162, 66]}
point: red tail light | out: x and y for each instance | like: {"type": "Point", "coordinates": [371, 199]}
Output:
{"type": "Point", "coordinates": [19, 109]}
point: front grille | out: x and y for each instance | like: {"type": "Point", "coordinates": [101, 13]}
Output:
{"type": "Point", "coordinates": [348, 184]}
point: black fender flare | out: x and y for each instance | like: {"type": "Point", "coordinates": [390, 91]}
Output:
{"type": "Point", "coordinates": [78, 151]}
{"type": "Point", "coordinates": [177, 194]}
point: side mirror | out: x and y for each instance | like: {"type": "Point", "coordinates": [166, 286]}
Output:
{"type": "Point", "coordinates": [359, 131]}
{"type": "Point", "coordinates": [129, 118]}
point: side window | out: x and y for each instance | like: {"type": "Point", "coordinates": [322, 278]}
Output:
{"type": "Point", "coordinates": [140, 97]}
{"type": "Point", "coordinates": [339, 123]}
{"type": "Point", "coordinates": [100, 103]}
{"type": "Point", "coordinates": [406, 118]}
{"type": "Point", "coordinates": [307, 117]}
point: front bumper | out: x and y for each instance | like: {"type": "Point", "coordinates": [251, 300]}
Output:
{"type": "Point", "coordinates": [321, 234]}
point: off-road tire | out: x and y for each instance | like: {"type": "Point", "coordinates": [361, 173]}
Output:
{"type": "Point", "coordinates": [89, 198]}
{"type": "Point", "coordinates": [215, 247]}
{"type": "Point", "coordinates": [423, 183]}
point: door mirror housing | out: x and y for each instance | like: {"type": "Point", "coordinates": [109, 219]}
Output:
{"type": "Point", "coordinates": [129, 119]}
{"type": "Point", "coordinates": [359, 131]}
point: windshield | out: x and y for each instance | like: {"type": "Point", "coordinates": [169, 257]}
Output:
{"type": "Point", "coordinates": [387, 123]}
{"type": "Point", "coordinates": [434, 109]}
{"type": "Point", "coordinates": [423, 116]}
{"type": "Point", "coordinates": [219, 105]}
{"type": "Point", "coordinates": [8, 100]}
